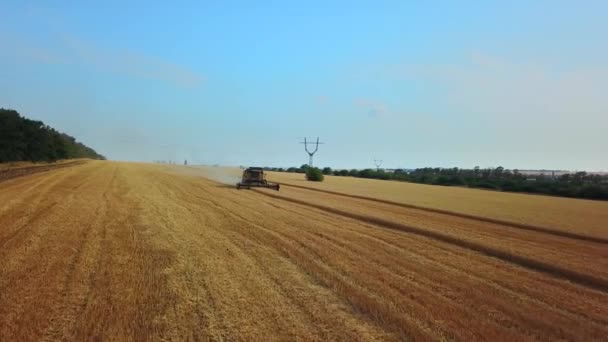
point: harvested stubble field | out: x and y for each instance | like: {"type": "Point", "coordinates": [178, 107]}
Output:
{"type": "Point", "coordinates": [20, 169]}
{"type": "Point", "coordinates": [125, 251]}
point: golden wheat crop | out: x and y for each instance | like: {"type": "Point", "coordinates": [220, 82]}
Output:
{"type": "Point", "coordinates": [125, 251]}
{"type": "Point", "coordinates": [576, 215]}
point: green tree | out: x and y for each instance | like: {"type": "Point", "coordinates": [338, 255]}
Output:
{"type": "Point", "coordinates": [314, 174]}
{"type": "Point", "coordinates": [340, 172]}
{"type": "Point", "coordinates": [22, 139]}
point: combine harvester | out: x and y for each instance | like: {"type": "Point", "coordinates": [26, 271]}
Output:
{"type": "Point", "coordinates": [255, 177]}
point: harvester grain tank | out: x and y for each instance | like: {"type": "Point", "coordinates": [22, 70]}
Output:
{"type": "Point", "coordinates": [255, 177]}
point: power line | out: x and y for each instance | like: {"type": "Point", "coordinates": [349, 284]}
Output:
{"type": "Point", "coordinates": [311, 153]}
{"type": "Point", "coordinates": [378, 163]}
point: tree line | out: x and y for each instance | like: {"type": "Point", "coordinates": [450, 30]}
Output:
{"type": "Point", "coordinates": [576, 185]}
{"type": "Point", "coordinates": [22, 139]}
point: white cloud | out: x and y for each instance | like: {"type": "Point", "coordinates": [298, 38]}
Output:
{"type": "Point", "coordinates": [503, 88]}
{"type": "Point", "coordinates": [530, 112]}
{"type": "Point", "coordinates": [322, 99]}
{"type": "Point", "coordinates": [131, 63]}
{"type": "Point", "coordinates": [71, 50]}
{"type": "Point", "coordinates": [374, 109]}
{"type": "Point", "coordinates": [13, 46]}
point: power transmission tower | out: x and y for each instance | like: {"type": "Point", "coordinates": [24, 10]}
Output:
{"type": "Point", "coordinates": [311, 153]}
{"type": "Point", "coordinates": [378, 163]}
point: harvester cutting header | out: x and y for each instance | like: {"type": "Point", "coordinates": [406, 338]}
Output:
{"type": "Point", "coordinates": [255, 177]}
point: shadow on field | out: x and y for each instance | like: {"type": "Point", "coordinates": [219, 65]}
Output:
{"type": "Point", "coordinates": [587, 280]}
{"type": "Point", "coordinates": [221, 185]}
{"type": "Point", "coordinates": [546, 230]}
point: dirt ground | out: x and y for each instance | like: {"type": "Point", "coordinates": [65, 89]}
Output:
{"type": "Point", "coordinates": [126, 251]}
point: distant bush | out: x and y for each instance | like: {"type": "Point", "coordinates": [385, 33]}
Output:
{"type": "Point", "coordinates": [314, 174]}
{"type": "Point", "coordinates": [486, 185]}
{"type": "Point", "coordinates": [448, 181]}
{"type": "Point", "coordinates": [593, 192]}
{"type": "Point", "coordinates": [341, 173]}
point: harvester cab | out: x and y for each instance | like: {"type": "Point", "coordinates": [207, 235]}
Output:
{"type": "Point", "coordinates": [255, 177]}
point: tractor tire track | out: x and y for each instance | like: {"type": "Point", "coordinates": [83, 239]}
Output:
{"type": "Point", "coordinates": [529, 227]}
{"type": "Point", "coordinates": [11, 173]}
{"type": "Point", "coordinates": [586, 280]}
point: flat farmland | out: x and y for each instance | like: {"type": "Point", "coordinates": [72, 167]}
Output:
{"type": "Point", "coordinates": [577, 215]}
{"type": "Point", "coordinates": [126, 251]}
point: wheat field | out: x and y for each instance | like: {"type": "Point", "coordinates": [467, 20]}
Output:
{"type": "Point", "coordinates": [127, 251]}
{"type": "Point", "coordinates": [576, 215]}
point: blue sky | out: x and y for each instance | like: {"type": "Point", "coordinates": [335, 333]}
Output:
{"type": "Point", "coordinates": [520, 84]}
